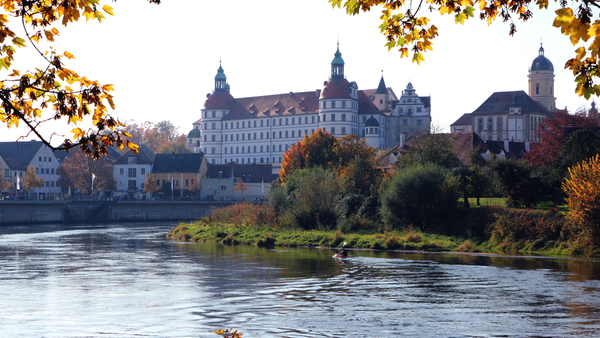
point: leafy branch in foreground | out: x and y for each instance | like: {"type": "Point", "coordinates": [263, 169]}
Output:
{"type": "Point", "coordinates": [407, 29]}
{"type": "Point", "coordinates": [54, 92]}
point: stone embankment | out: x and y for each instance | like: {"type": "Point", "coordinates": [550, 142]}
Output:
{"type": "Point", "coordinates": [48, 212]}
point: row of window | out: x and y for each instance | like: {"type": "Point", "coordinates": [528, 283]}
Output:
{"type": "Point", "coordinates": [41, 171]}
{"type": "Point", "coordinates": [332, 104]}
{"type": "Point", "coordinates": [45, 159]}
{"type": "Point", "coordinates": [282, 121]}
{"type": "Point", "coordinates": [175, 182]}
{"type": "Point", "coordinates": [132, 172]}
{"type": "Point", "coordinates": [250, 160]}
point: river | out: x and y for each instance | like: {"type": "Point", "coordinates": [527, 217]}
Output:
{"type": "Point", "coordinates": [129, 281]}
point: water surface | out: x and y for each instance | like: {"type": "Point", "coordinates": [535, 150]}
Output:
{"type": "Point", "coordinates": [129, 281]}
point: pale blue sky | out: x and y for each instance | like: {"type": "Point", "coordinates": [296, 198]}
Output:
{"type": "Point", "coordinates": [162, 59]}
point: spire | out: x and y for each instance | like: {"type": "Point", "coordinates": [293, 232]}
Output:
{"type": "Point", "coordinates": [337, 65]}
{"type": "Point", "coordinates": [381, 89]}
{"type": "Point", "coordinates": [221, 79]}
{"type": "Point", "coordinates": [541, 49]}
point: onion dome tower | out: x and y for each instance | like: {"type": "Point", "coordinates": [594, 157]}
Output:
{"type": "Point", "coordinates": [217, 105]}
{"type": "Point", "coordinates": [541, 81]}
{"type": "Point", "coordinates": [338, 101]}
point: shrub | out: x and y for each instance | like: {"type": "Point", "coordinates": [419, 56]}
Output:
{"type": "Point", "coordinates": [583, 191]}
{"type": "Point", "coordinates": [467, 246]}
{"type": "Point", "coordinates": [249, 214]}
{"type": "Point", "coordinates": [413, 237]}
{"type": "Point", "coordinates": [420, 195]}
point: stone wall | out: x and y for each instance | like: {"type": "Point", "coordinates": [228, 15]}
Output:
{"type": "Point", "coordinates": [48, 212]}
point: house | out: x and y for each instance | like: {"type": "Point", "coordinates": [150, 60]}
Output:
{"type": "Point", "coordinates": [21, 155]}
{"type": "Point", "coordinates": [130, 171]}
{"type": "Point", "coordinates": [178, 174]}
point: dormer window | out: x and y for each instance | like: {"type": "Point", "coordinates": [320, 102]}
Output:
{"type": "Point", "coordinates": [132, 160]}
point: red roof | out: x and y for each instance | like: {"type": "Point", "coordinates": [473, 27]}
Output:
{"type": "Point", "coordinates": [336, 88]}
{"type": "Point", "coordinates": [274, 105]}
{"type": "Point", "coordinates": [219, 100]}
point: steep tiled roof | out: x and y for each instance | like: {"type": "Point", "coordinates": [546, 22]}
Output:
{"type": "Point", "coordinates": [274, 105]}
{"type": "Point", "coordinates": [463, 120]}
{"type": "Point", "coordinates": [23, 151]}
{"type": "Point", "coordinates": [366, 106]}
{"type": "Point", "coordinates": [15, 164]}
{"type": "Point", "coordinates": [144, 156]}
{"type": "Point", "coordinates": [499, 102]}
{"type": "Point", "coordinates": [177, 163]}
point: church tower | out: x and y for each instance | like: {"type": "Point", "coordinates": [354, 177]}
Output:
{"type": "Point", "coordinates": [541, 81]}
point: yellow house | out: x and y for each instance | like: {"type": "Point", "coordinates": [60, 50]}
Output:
{"type": "Point", "coordinates": [178, 174]}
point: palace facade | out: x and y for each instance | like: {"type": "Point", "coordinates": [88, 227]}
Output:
{"type": "Point", "coordinates": [260, 129]}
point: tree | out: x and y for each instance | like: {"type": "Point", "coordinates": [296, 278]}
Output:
{"type": "Point", "coordinates": [175, 145]}
{"type": "Point", "coordinates": [407, 30]}
{"type": "Point", "coordinates": [314, 198]}
{"type": "Point", "coordinates": [579, 146]}
{"type": "Point", "coordinates": [31, 180]}
{"type": "Point", "coordinates": [79, 170]}
{"type": "Point", "coordinates": [519, 183]}
{"type": "Point", "coordinates": [551, 136]}
{"type": "Point", "coordinates": [150, 185]}
{"type": "Point", "coordinates": [583, 191]}
{"type": "Point", "coordinates": [429, 148]}
{"type": "Point", "coordinates": [293, 159]}
{"type": "Point", "coordinates": [195, 187]}
{"type": "Point", "coordinates": [53, 92]}
{"type": "Point", "coordinates": [320, 149]}
{"type": "Point", "coordinates": [240, 186]}
{"type": "Point", "coordinates": [419, 195]}
{"type": "Point", "coordinates": [4, 184]}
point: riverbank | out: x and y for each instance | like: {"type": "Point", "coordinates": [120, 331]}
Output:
{"type": "Point", "coordinates": [485, 230]}
{"type": "Point", "coordinates": [408, 240]}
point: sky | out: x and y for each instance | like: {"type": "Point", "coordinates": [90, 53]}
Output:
{"type": "Point", "coordinates": [162, 59]}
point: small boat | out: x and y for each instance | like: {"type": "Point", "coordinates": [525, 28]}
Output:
{"type": "Point", "coordinates": [337, 255]}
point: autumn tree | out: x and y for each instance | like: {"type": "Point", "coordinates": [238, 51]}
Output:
{"type": "Point", "coordinates": [79, 170]}
{"type": "Point", "coordinates": [195, 187]}
{"type": "Point", "coordinates": [409, 28]}
{"type": "Point", "coordinates": [150, 185]}
{"type": "Point", "coordinates": [31, 181]}
{"type": "Point", "coordinates": [293, 159]}
{"type": "Point", "coordinates": [240, 186]}
{"type": "Point", "coordinates": [583, 191]}
{"type": "Point", "coordinates": [551, 136]}
{"type": "Point", "coordinates": [53, 92]}
{"type": "Point", "coordinates": [4, 184]}
{"type": "Point", "coordinates": [429, 148]}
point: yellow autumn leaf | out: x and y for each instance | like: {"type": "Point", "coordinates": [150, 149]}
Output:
{"type": "Point", "coordinates": [69, 55]}
{"type": "Point", "coordinates": [133, 147]}
{"type": "Point", "coordinates": [108, 10]}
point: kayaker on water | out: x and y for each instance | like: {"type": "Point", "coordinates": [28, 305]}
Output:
{"type": "Point", "coordinates": [344, 251]}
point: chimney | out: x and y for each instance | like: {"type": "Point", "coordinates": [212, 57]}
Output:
{"type": "Point", "coordinates": [318, 93]}
{"type": "Point", "coordinates": [402, 139]}
{"type": "Point", "coordinates": [506, 148]}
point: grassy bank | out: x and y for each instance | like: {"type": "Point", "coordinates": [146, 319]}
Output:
{"type": "Point", "coordinates": [206, 232]}
{"type": "Point", "coordinates": [485, 229]}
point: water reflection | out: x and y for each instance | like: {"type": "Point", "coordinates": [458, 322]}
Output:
{"type": "Point", "coordinates": [128, 281]}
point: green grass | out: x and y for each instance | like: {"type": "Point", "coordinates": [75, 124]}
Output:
{"type": "Point", "coordinates": [264, 236]}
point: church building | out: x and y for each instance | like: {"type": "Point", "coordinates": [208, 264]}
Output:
{"type": "Point", "coordinates": [514, 115]}
{"type": "Point", "coordinates": [260, 129]}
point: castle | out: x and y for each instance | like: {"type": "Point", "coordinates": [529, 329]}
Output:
{"type": "Point", "coordinates": [260, 129]}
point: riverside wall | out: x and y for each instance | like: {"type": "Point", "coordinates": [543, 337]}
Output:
{"type": "Point", "coordinates": [69, 212]}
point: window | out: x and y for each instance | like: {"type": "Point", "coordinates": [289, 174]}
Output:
{"type": "Point", "coordinates": [37, 170]}
{"type": "Point", "coordinates": [405, 122]}
{"type": "Point", "coordinates": [237, 125]}
{"type": "Point", "coordinates": [237, 150]}
{"type": "Point", "coordinates": [343, 104]}
{"type": "Point", "coordinates": [293, 120]}
{"type": "Point", "coordinates": [213, 125]}
{"type": "Point", "coordinates": [332, 117]}
{"type": "Point", "coordinates": [254, 148]}
{"type": "Point", "coordinates": [40, 159]}
{"type": "Point", "coordinates": [490, 124]}
{"type": "Point", "coordinates": [537, 89]}
{"type": "Point", "coordinates": [323, 105]}
{"type": "Point", "coordinates": [267, 123]}
{"type": "Point", "coordinates": [52, 171]}
{"type": "Point", "coordinates": [292, 133]}
{"type": "Point", "coordinates": [243, 124]}
{"type": "Point", "coordinates": [333, 130]}
{"type": "Point", "coordinates": [223, 187]}
{"type": "Point", "coordinates": [214, 113]}
{"type": "Point", "coordinates": [286, 134]}
{"type": "Point", "coordinates": [213, 137]}
{"type": "Point", "coordinates": [418, 122]}
{"type": "Point", "coordinates": [243, 136]}
{"type": "Point", "coordinates": [212, 150]}
{"type": "Point", "coordinates": [255, 123]}
{"type": "Point", "coordinates": [313, 119]}
{"type": "Point", "coordinates": [286, 121]}
{"type": "Point", "coordinates": [280, 133]}
{"type": "Point", "coordinates": [255, 135]}
{"type": "Point", "coordinates": [132, 172]}
{"type": "Point", "coordinates": [343, 130]}
{"type": "Point", "coordinates": [47, 171]}
{"type": "Point", "coordinates": [280, 147]}
{"type": "Point", "coordinates": [187, 182]}
{"type": "Point", "coordinates": [343, 115]}
{"type": "Point", "coordinates": [306, 119]}
{"type": "Point", "coordinates": [225, 150]}
{"type": "Point", "coordinates": [332, 104]}
{"type": "Point", "coordinates": [143, 171]}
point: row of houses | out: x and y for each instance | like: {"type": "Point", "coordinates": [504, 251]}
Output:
{"type": "Point", "coordinates": [178, 176]}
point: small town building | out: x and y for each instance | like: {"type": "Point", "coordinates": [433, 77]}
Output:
{"type": "Point", "coordinates": [130, 172]}
{"type": "Point", "coordinates": [178, 175]}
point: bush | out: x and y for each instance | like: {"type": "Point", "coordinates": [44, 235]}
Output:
{"type": "Point", "coordinates": [246, 214]}
{"type": "Point", "coordinates": [421, 195]}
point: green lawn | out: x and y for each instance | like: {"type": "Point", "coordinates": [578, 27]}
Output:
{"type": "Point", "coordinates": [486, 202]}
